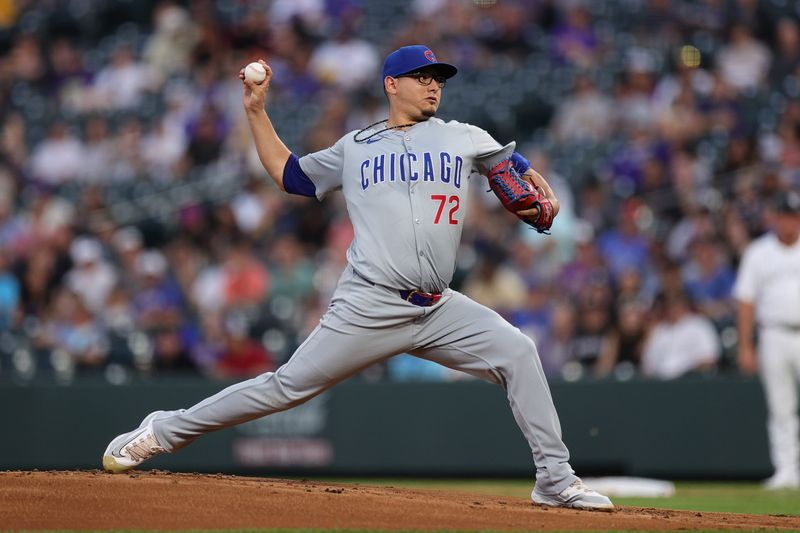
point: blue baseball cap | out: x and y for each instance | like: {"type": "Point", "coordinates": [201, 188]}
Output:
{"type": "Point", "coordinates": [410, 58]}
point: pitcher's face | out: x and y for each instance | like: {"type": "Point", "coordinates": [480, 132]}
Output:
{"type": "Point", "coordinates": [417, 94]}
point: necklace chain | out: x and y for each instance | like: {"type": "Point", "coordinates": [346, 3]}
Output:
{"type": "Point", "coordinates": [368, 137]}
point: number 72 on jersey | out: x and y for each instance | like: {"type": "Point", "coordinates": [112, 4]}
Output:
{"type": "Point", "coordinates": [443, 199]}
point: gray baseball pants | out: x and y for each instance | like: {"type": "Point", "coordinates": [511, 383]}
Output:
{"type": "Point", "coordinates": [367, 323]}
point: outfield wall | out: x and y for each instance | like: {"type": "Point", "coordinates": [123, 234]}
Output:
{"type": "Point", "coordinates": [694, 428]}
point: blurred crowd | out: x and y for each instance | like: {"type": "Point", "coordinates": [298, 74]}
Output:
{"type": "Point", "coordinates": [666, 127]}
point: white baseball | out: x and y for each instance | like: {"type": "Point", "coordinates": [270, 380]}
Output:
{"type": "Point", "coordinates": [255, 72]}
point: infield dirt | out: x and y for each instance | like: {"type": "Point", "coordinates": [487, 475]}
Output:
{"type": "Point", "coordinates": [169, 501]}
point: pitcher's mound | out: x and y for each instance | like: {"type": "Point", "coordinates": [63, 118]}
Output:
{"type": "Point", "coordinates": [163, 500]}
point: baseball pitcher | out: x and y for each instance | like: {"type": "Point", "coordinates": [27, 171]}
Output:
{"type": "Point", "coordinates": [406, 182]}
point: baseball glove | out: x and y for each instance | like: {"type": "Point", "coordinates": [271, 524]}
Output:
{"type": "Point", "coordinates": [516, 194]}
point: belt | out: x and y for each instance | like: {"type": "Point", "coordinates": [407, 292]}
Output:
{"type": "Point", "coordinates": [422, 299]}
{"type": "Point", "coordinates": [413, 296]}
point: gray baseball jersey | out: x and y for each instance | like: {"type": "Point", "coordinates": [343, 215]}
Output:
{"type": "Point", "coordinates": [406, 194]}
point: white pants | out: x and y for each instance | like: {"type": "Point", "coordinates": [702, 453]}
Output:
{"type": "Point", "coordinates": [779, 360]}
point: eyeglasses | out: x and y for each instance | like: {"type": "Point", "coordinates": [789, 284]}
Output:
{"type": "Point", "coordinates": [425, 78]}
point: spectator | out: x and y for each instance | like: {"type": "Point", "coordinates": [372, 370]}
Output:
{"type": "Point", "coordinates": [291, 274]}
{"type": "Point", "coordinates": [123, 82]}
{"type": "Point", "coordinates": [242, 357]}
{"type": "Point", "coordinates": [533, 319]}
{"type": "Point", "coordinates": [118, 315]}
{"type": "Point", "coordinates": [49, 215]}
{"type": "Point", "coordinates": [92, 278]}
{"type": "Point", "coordinates": [722, 108]}
{"type": "Point", "coordinates": [585, 115]}
{"type": "Point", "coordinates": [635, 94]}
{"type": "Point", "coordinates": [697, 224]}
{"type": "Point", "coordinates": [787, 58]}
{"type": "Point", "coordinates": [245, 281]}
{"type": "Point", "coordinates": [74, 330]}
{"type": "Point", "coordinates": [301, 84]}
{"type": "Point", "coordinates": [26, 61]}
{"type": "Point", "coordinates": [708, 279]}
{"type": "Point", "coordinates": [168, 50]}
{"type": "Point", "coordinates": [70, 78]}
{"type": "Point", "coordinates": [128, 162]}
{"type": "Point", "coordinates": [249, 210]}
{"type": "Point", "coordinates": [744, 62]}
{"type": "Point", "coordinates": [40, 274]}
{"type": "Point", "coordinates": [557, 347]}
{"type": "Point", "coordinates": [630, 288]}
{"type": "Point", "coordinates": [689, 77]}
{"type": "Point", "coordinates": [207, 290]}
{"type": "Point", "coordinates": [629, 164]}
{"type": "Point", "coordinates": [591, 335]}
{"type": "Point", "coordinates": [9, 294]}
{"type": "Point", "coordinates": [622, 352]}
{"type": "Point", "coordinates": [98, 153]}
{"type": "Point", "coordinates": [13, 230]}
{"type": "Point", "coordinates": [310, 12]}
{"type": "Point", "coordinates": [575, 41]}
{"type": "Point", "coordinates": [495, 285]}
{"type": "Point", "coordinates": [587, 268]}
{"type": "Point", "coordinates": [625, 247]}
{"type": "Point", "coordinates": [128, 244]}
{"type": "Point", "coordinates": [172, 349]}
{"type": "Point", "coordinates": [594, 207]}
{"type": "Point", "coordinates": [360, 57]}
{"type": "Point", "coordinates": [681, 341]}
{"type": "Point", "coordinates": [205, 143]}
{"type": "Point", "coordinates": [187, 262]}
{"type": "Point", "coordinates": [162, 148]}
{"type": "Point", "coordinates": [58, 159]}
{"type": "Point", "coordinates": [14, 142]}
{"type": "Point", "coordinates": [158, 301]}
{"type": "Point", "coordinates": [508, 32]}
{"type": "Point", "coordinates": [788, 140]}
{"type": "Point", "coordinates": [682, 122]}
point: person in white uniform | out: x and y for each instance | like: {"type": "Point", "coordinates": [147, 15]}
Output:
{"type": "Point", "coordinates": [405, 181]}
{"type": "Point", "coordinates": [768, 294]}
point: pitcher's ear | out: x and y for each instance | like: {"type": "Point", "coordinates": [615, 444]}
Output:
{"type": "Point", "coordinates": [390, 85]}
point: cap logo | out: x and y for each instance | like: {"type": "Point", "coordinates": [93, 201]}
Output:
{"type": "Point", "coordinates": [429, 56]}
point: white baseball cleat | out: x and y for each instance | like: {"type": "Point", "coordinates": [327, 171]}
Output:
{"type": "Point", "coordinates": [576, 496]}
{"type": "Point", "coordinates": [132, 448]}
{"type": "Point", "coordinates": [782, 480]}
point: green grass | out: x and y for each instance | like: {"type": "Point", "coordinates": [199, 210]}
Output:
{"type": "Point", "coordinates": [726, 498]}
{"type": "Point", "coordinates": [733, 497]}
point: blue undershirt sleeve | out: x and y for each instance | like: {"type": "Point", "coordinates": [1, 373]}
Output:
{"type": "Point", "coordinates": [520, 164]}
{"type": "Point", "coordinates": [295, 181]}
